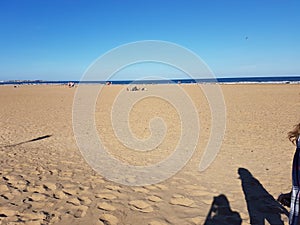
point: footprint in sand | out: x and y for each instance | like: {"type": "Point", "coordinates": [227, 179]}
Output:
{"type": "Point", "coordinates": [105, 206]}
{"type": "Point", "coordinates": [154, 198]}
{"type": "Point", "coordinates": [32, 218]}
{"type": "Point", "coordinates": [141, 206]}
{"type": "Point", "coordinates": [15, 182]}
{"type": "Point", "coordinates": [35, 188]}
{"type": "Point", "coordinates": [83, 188]}
{"type": "Point", "coordinates": [151, 187]}
{"type": "Point", "coordinates": [49, 186]}
{"type": "Point", "coordinates": [21, 185]}
{"type": "Point", "coordinates": [10, 179]}
{"type": "Point", "coordinates": [59, 195]}
{"type": "Point", "coordinates": [107, 196]}
{"type": "Point", "coordinates": [40, 205]}
{"type": "Point", "coordinates": [85, 200]}
{"type": "Point", "coordinates": [141, 190]}
{"type": "Point", "coordinates": [162, 187]}
{"type": "Point", "coordinates": [7, 196]}
{"type": "Point", "coordinates": [113, 188]}
{"type": "Point", "coordinates": [37, 197]}
{"type": "Point", "coordinates": [70, 191]}
{"type": "Point", "coordinates": [182, 201]}
{"type": "Point", "coordinates": [74, 201]}
{"type": "Point", "coordinates": [109, 219]}
{"type": "Point", "coordinates": [80, 211]}
{"type": "Point", "coordinates": [69, 185]}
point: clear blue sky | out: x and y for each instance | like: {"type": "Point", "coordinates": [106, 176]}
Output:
{"type": "Point", "coordinates": [59, 39]}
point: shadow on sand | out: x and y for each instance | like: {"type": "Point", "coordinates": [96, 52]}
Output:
{"type": "Point", "coordinates": [32, 140]}
{"type": "Point", "coordinates": [220, 213]}
{"type": "Point", "coordinates": [261, 205]}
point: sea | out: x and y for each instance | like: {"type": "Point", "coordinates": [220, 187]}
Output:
{"type": "Point", "coordinates": [228, 80]}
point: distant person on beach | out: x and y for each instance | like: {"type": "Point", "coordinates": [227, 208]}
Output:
{"type": "Point", "coordinates": [292, 199]}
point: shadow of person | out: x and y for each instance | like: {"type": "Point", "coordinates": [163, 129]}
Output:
{"type": "Point", "coordinates": [261, 205]}
{"type": "Point", "coordinates": [220, 213]}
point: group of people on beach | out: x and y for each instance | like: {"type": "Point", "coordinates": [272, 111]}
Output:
{"type": "Point", "coordinates": [71, 84]}
{"type": "Point", "coordinates": [136, 88]}
{"type": "Point", "coordinates": [292, 198]}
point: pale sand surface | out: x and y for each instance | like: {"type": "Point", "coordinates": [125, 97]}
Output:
{"type": "Point", "coordinates": [47, 181]}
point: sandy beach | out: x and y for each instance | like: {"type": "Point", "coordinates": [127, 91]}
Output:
{"type": "Point", "coordinates": [44, 178]}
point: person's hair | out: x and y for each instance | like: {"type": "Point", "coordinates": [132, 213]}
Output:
{"type": "Point", "coordinates": [294, 134]}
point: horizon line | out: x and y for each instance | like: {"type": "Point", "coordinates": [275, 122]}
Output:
{"type": "Point", "coordinates": [162, 79]}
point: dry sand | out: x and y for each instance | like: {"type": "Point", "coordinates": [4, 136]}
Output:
{"type": "Point", "coordinates": [45, 180]}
